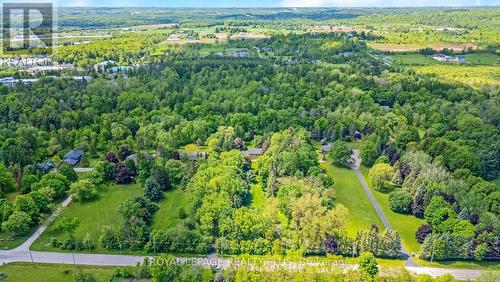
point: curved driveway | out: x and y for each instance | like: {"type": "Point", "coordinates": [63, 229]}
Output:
{"type": "Point", "coordinates": [23, 253]}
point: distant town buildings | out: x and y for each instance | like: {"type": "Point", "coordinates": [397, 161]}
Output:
{"type": "Point", "coordinates": [82, 78]}
{"type": "Point", "coordinates": [240, 53]}
{"type": "Point", "coordinates": [104, 65]}
{"type": "Point", "coordinates": [12, 82]}
{"type": "Point", "coordinates": [45, 69]}
{"type": "Point", "coordinates": [446, 58]}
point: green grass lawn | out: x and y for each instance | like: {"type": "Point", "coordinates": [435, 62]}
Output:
{"type": "Point", "coordinates": [350, 193]}
{"type": "Point", "coordinates": [258, 196]}
{"type": "Point", "coordinates": [93, 215]}
{"type": "Point", "coordinates": [52, 272]}
{"type": "Point", "coordinates": [167, 215]}
{"type": "Point", "coordinates": [406, 225]}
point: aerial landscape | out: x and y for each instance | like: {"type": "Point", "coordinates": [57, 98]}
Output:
{"type": "Point", "coordinates": [261, 141]}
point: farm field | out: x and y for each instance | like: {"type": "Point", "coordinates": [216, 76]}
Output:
{"type": "Point", "coordinates": [92, 215]}
{"type": "Point", "coordinates": [394, 47]}
{"type": "Point", "coordinates": [471, 59]}
{"type": "Point", "coordinates": [406, 225]}
{"type": "Point", "coordinates": [52, 272]}
{"type": "Point", "coordinates": [471, 75]}
{"type": "Point", "coordinates": [350, 193]}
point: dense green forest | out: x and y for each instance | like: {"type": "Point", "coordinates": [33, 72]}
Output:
{"type": "Point", "coordinates": [244, 133]}
{"type": "Point", "coordinates": [433, 146]}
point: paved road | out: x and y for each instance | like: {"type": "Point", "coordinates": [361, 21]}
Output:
{"type": "Point", "coordinates": [23, 254]}
{"type": "Point", "coordinates": [19, 255]}
{"type": "Point", "coordinates": [459, 274]}
{"type": "Point", "coordinates": [27, 244]}
{"type": "Point", "coordinates": [355, 164]}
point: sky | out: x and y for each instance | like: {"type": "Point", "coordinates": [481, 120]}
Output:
{"type": "Point", "coordinates": [274, 3]}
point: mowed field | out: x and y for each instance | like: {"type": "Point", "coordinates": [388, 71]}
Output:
{"type": "Point", "coordinates": [167, 215]}
{"type": "Point", "coordinates": [406, 225]}
{"type": "Point", "coordinates": [350, 193]}
{"type": "Point", "coordinates": [52, 272]}
{"type": "Point", "coordinates": [93, 215]}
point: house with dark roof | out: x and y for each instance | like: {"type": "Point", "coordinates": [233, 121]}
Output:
{"type": "Point", "coordinates": [73, 157]}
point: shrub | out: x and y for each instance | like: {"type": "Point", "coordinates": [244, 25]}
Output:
{"type": "Point", "coordinates": [54, 242]}
{"type": "Point", "coordinates": [400, 201]}
{"type": "Point", "coordinates": [122, 174]}
{"type": "Point", "coordinates": [422, 232]}
{"type": "Point", "coordinates": [368, 264]}
{"type": "Point", "coordinates": [152, 190]}
{"type": "Point", "coordinates": [18, 223]}
{"type": "Point", "coordinates": [380, 176]}
{"type": "Point", "coordinates": [369, 153]}
{"type": "Point", "coordinates": [81, 276]}
{"type": "Point", "coordinates": [68, 244]}
{"type": "Point", "coordinates": [83, 190]}
{"type": "Point", "coordinates": [341, 153]}
{"type": "Point", "coordinates": [69, 172]}
{"type": "Point", "coordinates": [480, 251]}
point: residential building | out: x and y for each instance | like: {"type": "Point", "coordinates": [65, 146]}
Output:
{"type": "Point", "coordinates": [73, 157]}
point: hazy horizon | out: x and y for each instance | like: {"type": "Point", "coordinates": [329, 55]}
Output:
{"type": "Point", "coordinates": [277, 3]}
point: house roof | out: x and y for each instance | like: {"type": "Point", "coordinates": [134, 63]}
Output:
{"type": "Point", "coordinates": [253, 151]}
{"type": "Point", "coordinates": [73, 157]}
